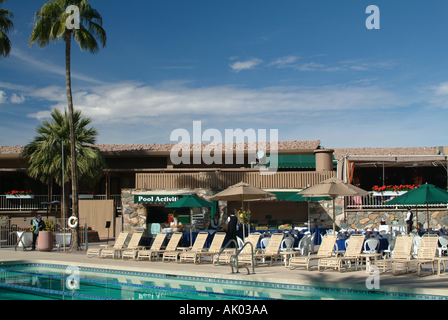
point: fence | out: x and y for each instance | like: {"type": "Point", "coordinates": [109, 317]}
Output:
{"type": "Point", "coordinates": [222, 180]}
{"type": "Point", "coordinates": [10, 227]}
{"type": "Point", "coordinates": [375, 201]}
{"type": "Point", "coordinates": [36, 203]}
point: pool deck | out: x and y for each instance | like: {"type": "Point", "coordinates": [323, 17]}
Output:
{"type": "Point", "coordinates": [429, 284]}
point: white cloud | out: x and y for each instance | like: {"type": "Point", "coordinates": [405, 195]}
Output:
{"type": "Point", "coordinates": [284, 62]}
{"type": "Point", "coordinates": [16, 99]}
{"type": "Point", "coordinates": [135, 102]}
{"type": "Point", "coordinates": [243, 65]}
{"type": "Point", "coordinates": [2, 97]}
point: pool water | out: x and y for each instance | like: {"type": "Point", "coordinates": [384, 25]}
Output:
{"type": "Point", "coordinates": [55, 282]}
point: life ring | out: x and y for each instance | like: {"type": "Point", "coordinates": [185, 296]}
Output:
{"type": "Point", "coordinates": [72, 222]}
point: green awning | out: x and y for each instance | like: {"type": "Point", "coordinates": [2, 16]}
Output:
{"type": "Point", "coordinates": [293, 161]}
{"type": "Point", "coordinates": [283, 195]}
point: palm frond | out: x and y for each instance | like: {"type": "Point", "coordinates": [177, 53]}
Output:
{"type": "Point", "coordinates": [44, 152]}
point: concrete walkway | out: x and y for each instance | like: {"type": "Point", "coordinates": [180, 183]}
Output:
{"type": "Point", "coordinates": [406, 283]}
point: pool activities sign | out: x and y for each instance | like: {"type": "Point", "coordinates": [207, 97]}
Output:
{"type": "Point", "coordinates": [154, 199]}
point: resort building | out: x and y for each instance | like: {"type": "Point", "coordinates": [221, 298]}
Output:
{"type": "Point", "coordinates": [142, 179]}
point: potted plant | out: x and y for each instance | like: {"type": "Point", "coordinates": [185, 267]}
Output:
{"type": "Point", "coordinates": [22, 194]}
{"type": "Point", "coordinates": [392, 190]}
{"type": "Point", "coordinates": [45, 239]}
{"type": "Point", "coordinates": [85, 194]}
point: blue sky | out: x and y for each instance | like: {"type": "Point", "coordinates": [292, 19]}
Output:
{"type": "Point", "coordinates": [310, 69]}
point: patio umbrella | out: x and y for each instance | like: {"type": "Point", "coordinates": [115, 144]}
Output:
{"type": "Point", "coordinates": [333, 188]}
{"type": "Point", "coordinates": [240, 192]}
{"type": "Point", "coordinates": [425, 194]}
{"type": "Point", "coordinates": [299, 198]}
{"type": "Point", "coordinates": [190, 201]}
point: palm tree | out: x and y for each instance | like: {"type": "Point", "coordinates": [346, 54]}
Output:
{"type": "Point", "coordinates": [51, 25]}
{"type": "Point", "coordinates": [5, 25]}
{"type": "Point", "coordinates": [44, 152]}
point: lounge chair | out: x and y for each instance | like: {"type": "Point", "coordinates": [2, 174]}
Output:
{"type": "Point", "coordinates": [401, 252]}
{"type": "Point", "coordinates": [111, 251]}
{"type": "Point", "coordinates": [215, 247]}
{"type": "Point", "coordinates": [155, 247]}
{"type": "Point", "coordinates": [172, 245]}
{"type": "Point", "coordinates": [198, 245]}
{"type": "Point", "coordinates": [119, 242]}
{"type": "Point", "coordinates": [227, 255]}
{"type": "Point", "coordinates": [352, 253]}
{"type": "Point", "coordinates": [272, 251]}
{"type": "Point", "coordinates": [326, 249]}
{"type": "Point", "coordinates": [133, 246]}
{"type": "Point", "coordinates": [426, 255]}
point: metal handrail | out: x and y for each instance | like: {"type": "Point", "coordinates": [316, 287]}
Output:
{"type": "Point", "coordinates": [225, 247]}
{"type": "Point", "coordinates": [252, 257]}
{"type": "Point", "coordinates": [234, 264]}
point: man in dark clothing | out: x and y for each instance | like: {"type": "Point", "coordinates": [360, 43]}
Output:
{"type": "Point", "coordinates": [38, 225]}
{"type": "Point", "coordinates": [232, 223]}
{"type": "Point", "coordinates": [408, 220]}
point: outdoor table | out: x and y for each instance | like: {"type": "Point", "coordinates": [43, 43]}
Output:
{"type": "Point", "coordinates": [287, 255]}
{"type": "Point", "coordinates": [439, 263]}
{"type": "Point", "coordinates": [368, 256]}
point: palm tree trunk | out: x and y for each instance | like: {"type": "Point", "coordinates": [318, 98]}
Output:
{"type": "Point", "coordinates": [74, 168]}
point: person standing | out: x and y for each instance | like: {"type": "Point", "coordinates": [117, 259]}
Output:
{"type": "Point", "coordinates": [38, 225]}
{"type": "Point", "coordinates": [215, 224]}
{"type": "Point", "coordinates": [408, 220]}
{"type": "Point", "coordinates": [232, 223]}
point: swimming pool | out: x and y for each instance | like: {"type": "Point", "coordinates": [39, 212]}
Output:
{"type": "Point", "coordinates": [36, 281]}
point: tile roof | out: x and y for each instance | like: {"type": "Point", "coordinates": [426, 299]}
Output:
{"type": "Point", "coordinates": [282, 145]}
{"type": "Point", "coordinates": [409, 151]}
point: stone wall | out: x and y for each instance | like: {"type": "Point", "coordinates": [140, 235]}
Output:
{"type": "Point", "coordinates": [360, 219]}
{"type": "Point", "coordinates": [134, 214]}
{"type": "Point", "coordinates": [321, 213]}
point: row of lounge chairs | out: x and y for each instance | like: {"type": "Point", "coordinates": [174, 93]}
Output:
{"type": "Point", "coordinates": [327, 258]}
{"type": "Point", "coordinates": [195, 254]}
{"type": "Point", "coordinates": [156, 252]}
{"type": "Point", "coordinates": [401, 259]}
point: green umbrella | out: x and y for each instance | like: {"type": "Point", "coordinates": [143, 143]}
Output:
{"type": "Point", "coordinates": [190, 201]}
{"type": "Point", "coordinates": [424, 194]}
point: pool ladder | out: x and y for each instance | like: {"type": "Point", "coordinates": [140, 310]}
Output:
{"type": "Point", "coordinates": [234, 261]}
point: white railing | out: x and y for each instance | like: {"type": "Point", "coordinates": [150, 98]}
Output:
{"type": "Point", "coordinates": [375, 201]}
{"type": "Point", "coordinates": [19, 204]}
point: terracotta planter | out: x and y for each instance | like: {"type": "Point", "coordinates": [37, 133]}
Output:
{"type": "Point", "coordinates": [45, 241]}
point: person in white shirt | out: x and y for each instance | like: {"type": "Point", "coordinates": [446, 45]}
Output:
{"type": "Point", "coordinates": [408, 220]}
